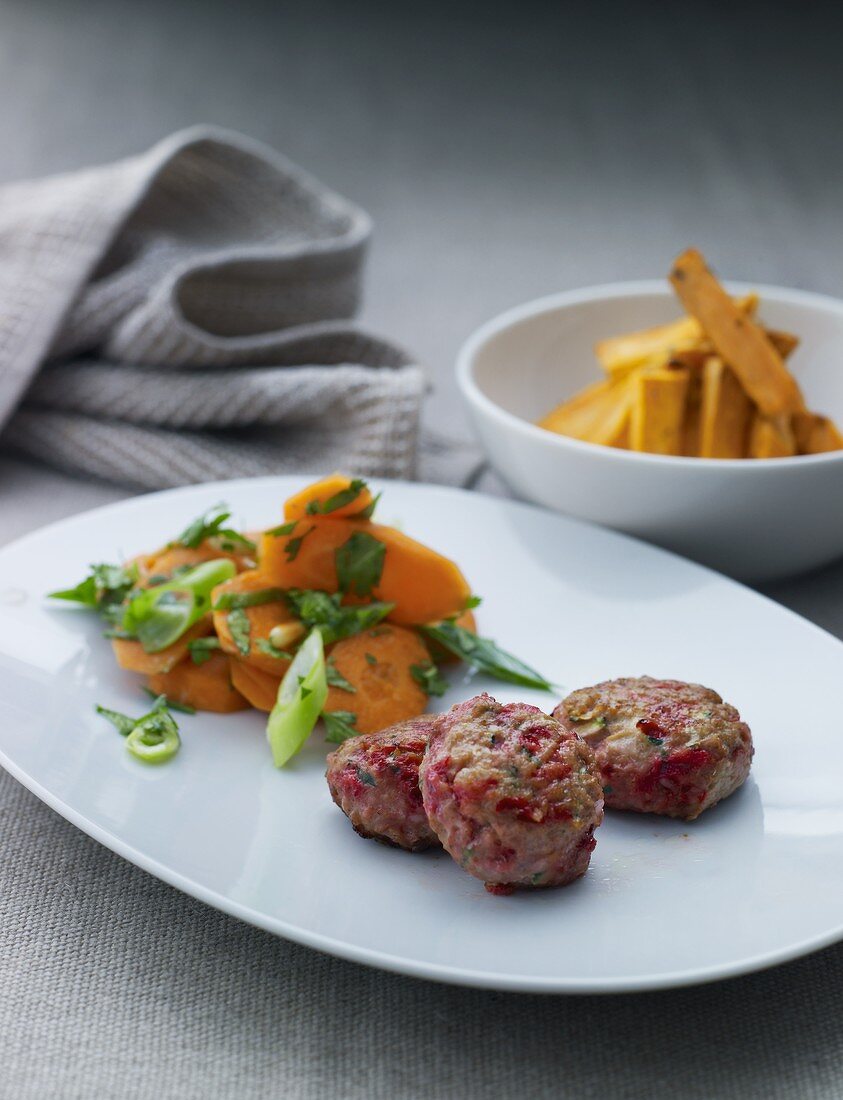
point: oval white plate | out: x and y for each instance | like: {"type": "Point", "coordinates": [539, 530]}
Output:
{"type": "Point", "coordinates": [758, 880]}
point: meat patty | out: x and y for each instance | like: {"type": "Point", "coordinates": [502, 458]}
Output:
{"type": "Point", "coordinates": [512, 794]}
{"type": "Point", "coordinates": [662, 746]}
{"type": "Point", "coordinates": [374, 779]}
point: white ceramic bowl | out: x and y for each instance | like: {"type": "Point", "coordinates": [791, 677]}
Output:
{"type": "Point", "coordinates": [756, 520]}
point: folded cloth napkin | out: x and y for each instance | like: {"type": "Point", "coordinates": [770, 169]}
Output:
{"type": "Point", "coordinates": [193, 306]}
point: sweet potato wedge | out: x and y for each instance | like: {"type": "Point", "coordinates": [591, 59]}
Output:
{"type": "Point", "coordinates": [206, 687]}
{"type": "Point", "coordinates": [737, 338]}
{"type": "Point", "coordinates": [261, 618]}
{"type": "Point", "coordinates": [321, 492]}
{"type": "Point", "coordinates": [816, 434]}
{"type": "Point", "coordinates": [132, 656]}
{"type": "Point", "coordinates": [619, 354]}
{"type": "Point", "coordinates": [423, 585]}
{"type": "Point", "coordinates": [771, 437]}
{"type": "Point", "coordinates": [378, 664]}
{"type": "Point", "coordinates": [600, 414]}
{"type": "Point", "coordinates": [725, 414]}
{"type": "Point", "coordinates": [658, 411]}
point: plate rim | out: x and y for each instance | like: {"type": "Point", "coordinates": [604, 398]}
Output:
{"type": "Point", "coordinates": [368, 956]}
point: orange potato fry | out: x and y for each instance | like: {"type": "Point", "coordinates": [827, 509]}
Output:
{"type": "Point", "coordinates": [771, 437]}
{"type": "Point", "coordinates": [262, 618]}
{"type": "Point", "coordinates": [206, 686]}
{"type": "Point", "coordinates": [737, 338]}
{"type": "Point", "coordinates": [619, 354]}
{"type": "Point", "coordinates": [132, 656]}
{"type": "Point", "coordinates": [816, 434]}
{"type": "Point", "coordinates": [321, 491]}
{"type": "Point", "coordinates": [726, 413]}
{"type": "Point", "coordinates": [424, 586]}
{"type": "Point", "coordinates": [658, 412]}
{"type": "Point", "coordinates": [599, 414]}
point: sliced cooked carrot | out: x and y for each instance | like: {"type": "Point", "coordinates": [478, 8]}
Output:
{"type": "Point", "coordinates": [378, 664]}
{"type": "Point", "coordinates": [254, 684]}
{"type": "Point", "coordinates": [206, 687]}
{"type": "Point", "coordinates": [423, 585]}
{"type": "Point", "coordinates": [164, 562]}
{"type": "Point", "coordinates": [132, 656]}
{"type": "Point", "coordinates": [329, 491]}
{"type": "Point", "coordinates": [261, 619]}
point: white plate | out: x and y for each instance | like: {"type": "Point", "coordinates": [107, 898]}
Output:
{"type": "Point", "coordinates": [756, 881]}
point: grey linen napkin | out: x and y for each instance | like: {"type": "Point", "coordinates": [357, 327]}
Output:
{"type": "Point", "coordinates": [193, 305]}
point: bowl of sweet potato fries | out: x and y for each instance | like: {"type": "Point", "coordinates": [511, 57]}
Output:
{"type": "Point", "coordinates": [702, 417]}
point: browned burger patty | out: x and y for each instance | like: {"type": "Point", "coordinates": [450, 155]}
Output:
{"type": "Point", "coordinates": [662, 746]}
{"type": "Point", "coordinates": [374, 779]}
{"type": "Point", "coordinates": [513, 795]}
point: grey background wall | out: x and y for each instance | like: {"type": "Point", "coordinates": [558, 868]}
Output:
{"type": "Point", "coordinates": [504, 150]}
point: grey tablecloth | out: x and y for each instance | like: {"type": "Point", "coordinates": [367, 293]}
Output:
{"type": "Point", "coordinates": [115, 985]}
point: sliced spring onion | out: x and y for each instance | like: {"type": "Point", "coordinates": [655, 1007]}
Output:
{"type": "Point", "coordinates": [155, 739]}
{"type": "Point", "coordinates": [159, 616]}
{"type": "Point", "coordinates": [301, 696]}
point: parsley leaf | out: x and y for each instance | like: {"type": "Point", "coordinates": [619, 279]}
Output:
{"type": "Point", "coordinates": [228, 601]}
{"type": "Point", "coordinates": [368, 511]}
{"type": "Point", "coordinates": [485, 655]}
{"type": "Point", "coordinates": [338, 500]}
{"type": "Point", "coordinates": [428, 678]}
{"type": "Point", "coordinates": [161, 701]}
{"type": "Point", "coordinates": [291, 549]}
{"type": "Point", "coordinates": [340, 725]}
{"type": "Point", "coordinates": [371, 659]}
{"type": "Point", "coordinates": [472, 602]}
{"type": "Point", "coordinates": [210, 526]}
{"type": "Point", "coordinates": [241, 628]}
{"type": "Point", "coordinates": [360, 563]}
{"type": "Point", "coordinates": [202, 649]}
{"type": "Point", "coordinates": [316, 608]}
{"type": "Point", "coordinates": [266, 647]}
{"type": "Point", "coordinates": [121, 722]}
{"type": "Point", "coordinates": [336, 678]}
{"type": "Point", "coordinates": [103, 590]}
{"type": "Point", "coordinates": [284, 529]}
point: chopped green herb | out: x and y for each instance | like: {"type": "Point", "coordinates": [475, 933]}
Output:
{"type": "Point", "coordinates": [266, 647]}
{"type": "Point", "coordinates": [291, 548]}
{"type": "Point", "coordinates": [284, 529]}
{"type": "Point", "coordinates": [209, 526]}
{"type": "Point", "coordinates": [655, 740]}
{"type": "Point", "coordinates": [103, 590]}
{"type": "Point", "coordinates": [472, 602]}
{"type": "Point", "coordinates": [228, 601]}
{"type": "Point", "coordinates": [368, 511]}
{"type": "Point", "coordinates": [160, 615]}
{"type": "Point", "coordinates": [121, 722]}
{"type": "Point", "coordinates": [170, 704]}
{"type": "Point", "coordinates": [485, 655]}
{"type": "Point", "coordinates": [335, 621]}
{"type": "Point", "coordinates": [202, 649]}
{"type": "Point", "coordinates": [338, 500]}
{"type": "Point", "coordinates": [360, 563]}
{"type": "Point", "coordinates": [241, 628]}
{"type": "Point", "coordinates": [364, 776]}
{"type": "Point", "coordinates": [371, 659]}
{"type": "Point", "coordinates": [336, 678]}
{"type": "Point", "coordinates": [428, 678]}
{"type": "Point", "coordinates": [340, 726]}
